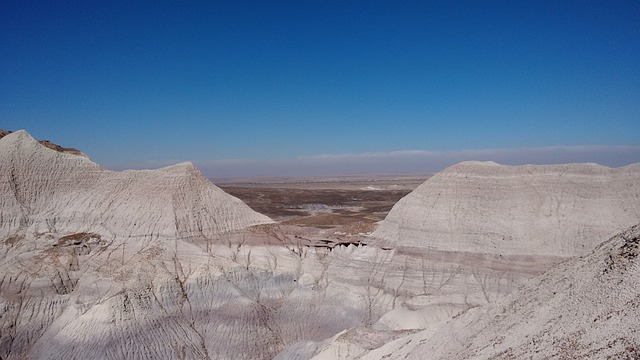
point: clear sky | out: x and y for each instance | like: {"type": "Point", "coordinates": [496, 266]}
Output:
{"type": "Point", "coordinates": [315, 87]}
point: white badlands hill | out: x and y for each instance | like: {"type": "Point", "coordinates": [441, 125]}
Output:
{"type": "Point", "coordinates": [46, 191]}
{"type": "Point", "coordinates": [585, 308]}
{"type": "Point", "coordinates": [483, 207]}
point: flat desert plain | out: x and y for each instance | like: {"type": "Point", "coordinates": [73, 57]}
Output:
{"type": "Point", "coordinates": [352, 204]}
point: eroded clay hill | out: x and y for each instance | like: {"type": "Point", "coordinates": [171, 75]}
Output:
{"type": "Point", "coordinates": [483, 207]}
{"type": "Point", "coordinates": [47, 191]}
{"type": "Point", "coordinates": [585, 308]}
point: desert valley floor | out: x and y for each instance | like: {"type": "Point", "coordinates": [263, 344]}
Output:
{"type": "Point", "coordinates": [478, 261]}
{"type": "Point", "coordinates": [348, 205]}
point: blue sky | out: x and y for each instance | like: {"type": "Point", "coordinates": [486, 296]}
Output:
{"type": "Point", "coordinates": [273, 87]}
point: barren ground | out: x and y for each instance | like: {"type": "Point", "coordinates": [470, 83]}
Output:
{"type": "Point", "coordinates": [350, 205]}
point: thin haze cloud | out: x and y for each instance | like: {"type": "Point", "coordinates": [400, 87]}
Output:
{"type": "Point", "coordinates": [404, 161]}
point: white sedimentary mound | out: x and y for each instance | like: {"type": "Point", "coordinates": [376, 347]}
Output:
{"type": "Point", "coordinates": [483, 207]}
{"type": "Point", "coordinates": [44, 191]}
{"type": "Point", "coordinates": [493, 227]}
{"type": "Point", "coordinates": [584, 308]}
